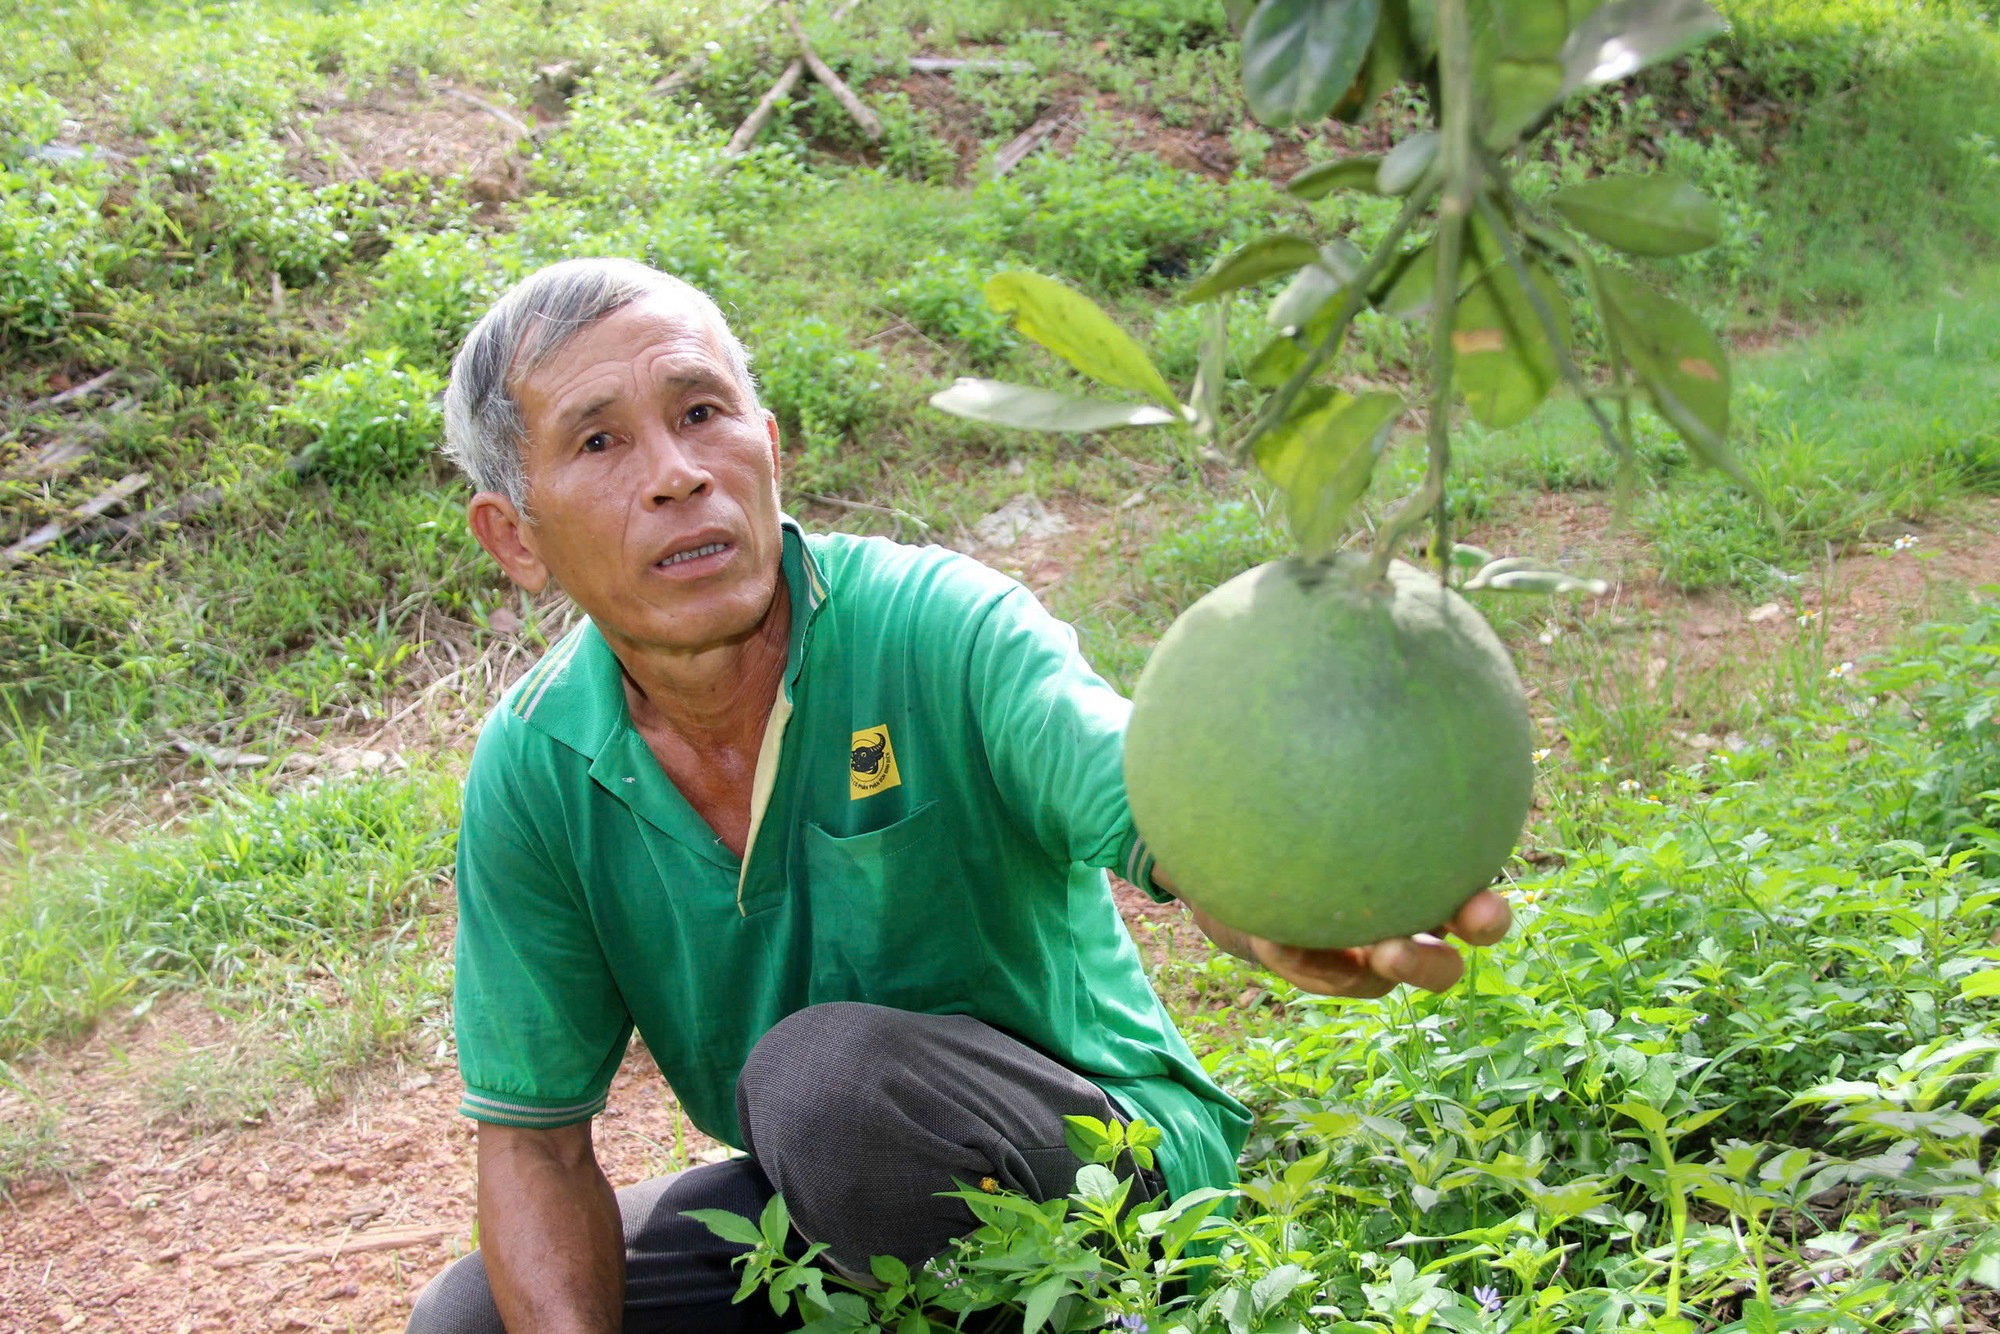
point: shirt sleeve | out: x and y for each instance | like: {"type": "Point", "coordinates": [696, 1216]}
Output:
{"type": "Point", "coordinates": [1054, 733]}
{"type": "Point", "coordinates": [541, 1024]}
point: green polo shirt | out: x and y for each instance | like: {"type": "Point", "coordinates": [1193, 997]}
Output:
{"type": "Point", "coordinates": [937, 797]}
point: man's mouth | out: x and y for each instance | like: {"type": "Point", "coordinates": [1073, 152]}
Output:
{"type": "Point", "coordinates": [695, 553]}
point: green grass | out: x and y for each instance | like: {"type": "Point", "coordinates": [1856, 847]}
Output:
{"type": "Point", "coordinates": [313, 903]}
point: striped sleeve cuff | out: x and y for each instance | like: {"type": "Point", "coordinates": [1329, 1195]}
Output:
{"type": "Point", "coordinates": [1137, 867]}
{"type": "Point", "coordinates": [515, 1109]}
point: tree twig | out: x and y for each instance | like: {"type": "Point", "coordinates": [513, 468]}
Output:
{"type": "Point", "coordinates": [871, 125]}
{"type": "Point", "coordinates": [941, 65]}
{"type": "Point", "coordinates": [1027, 141]}
{"type": "Point", "coordinates": [115, 494]}
{"type": "Point", "coordinates": [760, 116]}
{"type": "Point", "coordinates": [74, 392]}
{"type": "Point", "coordinates": [493, 109]}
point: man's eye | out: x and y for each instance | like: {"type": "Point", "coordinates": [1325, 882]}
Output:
{"type": "Point", "coordinates": [700, 412]}
{"type": "Point", "coordinates": [598, 443]}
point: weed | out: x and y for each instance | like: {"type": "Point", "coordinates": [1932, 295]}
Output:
{"type": "Point", "coordinates": [1114, 219]}
{"type": "Point", "coordinates": [940, 294]}
{"type": "Point", "coordinates": [53, 251]}
{"type": "Point", "coordinates": [372, 417]}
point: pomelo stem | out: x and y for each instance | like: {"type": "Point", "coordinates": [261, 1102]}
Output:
{"type": "Point", "coordinates": [1460, 190]}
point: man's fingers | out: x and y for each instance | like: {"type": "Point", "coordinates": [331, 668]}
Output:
{"type": "Point", "coordinates": [1324, 972]}
{"type": "Point", "coordinates": [1418, 963]}
{"type": "Point", "coordinates": [1484, 919]}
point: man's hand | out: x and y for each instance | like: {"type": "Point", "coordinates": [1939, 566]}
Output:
{"type": "Point", "coordinates": [1372, 970]}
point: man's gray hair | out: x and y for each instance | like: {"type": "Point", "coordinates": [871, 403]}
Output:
{"type": "Point", "coordinates": [484, 433]}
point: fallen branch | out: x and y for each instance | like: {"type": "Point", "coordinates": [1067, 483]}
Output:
{"type": "Point", "coordinates": [499, 113]}
{"type": "Point", "coordinates": [115, 494]}
{"type": "Point", "coordinates": [381, 1239]}
{"type": "Point", "coordinates": [760, 116]}
{"type": "Point", "coordinates": [940, 65]}
{"type": "Point", "coordinates": [870, 124]}
{"type": "Point", "coordinates": [1027, 141]}
{"type": "Point", "coordinates": [74, 392]}
{"type": "Point", "coordinates": [186, 507]}
{"type": "Point", "coordinates": [50, 458]}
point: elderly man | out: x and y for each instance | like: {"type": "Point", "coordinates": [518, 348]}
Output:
{"type": "Point", "coordinates": [825, 818]}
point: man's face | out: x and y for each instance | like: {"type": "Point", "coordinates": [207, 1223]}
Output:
{"type": "Point", "coordinates": [652, 481]}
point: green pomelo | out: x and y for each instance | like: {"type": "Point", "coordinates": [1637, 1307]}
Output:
{"type": "Point", "coordinates": [1325, 761]}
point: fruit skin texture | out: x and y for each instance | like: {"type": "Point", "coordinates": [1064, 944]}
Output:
{"type": "Point", "coordinates": [1323, 761]}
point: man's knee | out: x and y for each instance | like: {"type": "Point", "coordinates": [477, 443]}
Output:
{"type": "Point", "coordinates": [457, 1301]}
{"type": "Point", "coordinates": [820, 1071]}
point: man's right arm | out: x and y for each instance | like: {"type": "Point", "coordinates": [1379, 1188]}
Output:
{"type": "Point", "coordinates": [549, 1231]}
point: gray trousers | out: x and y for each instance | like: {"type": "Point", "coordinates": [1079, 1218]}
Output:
{"type": "Point", "coordinates": [859, 1115]}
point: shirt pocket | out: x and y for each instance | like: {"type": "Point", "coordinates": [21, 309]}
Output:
{"type": "Point", "coordinates": [893, 918]}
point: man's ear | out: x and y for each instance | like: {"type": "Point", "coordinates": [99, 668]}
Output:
{"type": "Point", "coordinates": [508, 538]}
{"type": "Point", "coordinates": [771, 428]}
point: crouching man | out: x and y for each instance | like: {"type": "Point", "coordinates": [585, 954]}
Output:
{"type": "Point", "coordinates": [825, 818]}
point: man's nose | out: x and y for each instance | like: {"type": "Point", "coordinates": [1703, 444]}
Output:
{"type": "Point", "coordinates": [672, 471]}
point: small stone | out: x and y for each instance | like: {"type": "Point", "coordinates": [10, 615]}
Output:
{"type": "Point", "coordinates": [204, 1194]}
{"type": "Point", "coordinates": [415, 1082]}
{"type": "Point", "coordinates": [257, 1181]}
{"type": "Point", "coordinates": [1768, 612]}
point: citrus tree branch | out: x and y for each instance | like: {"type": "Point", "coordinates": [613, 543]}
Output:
{"type": "Point", "coordinates": [1353, 298]}
{"type": "Point", "coordinates": [1462, 173]}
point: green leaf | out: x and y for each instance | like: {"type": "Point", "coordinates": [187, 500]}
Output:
{"type": "Point", "coordinates": [1088, 1138]}
{"type": "Point", "coordinates": [776, 1224]}
{"type": "Point", "coordinates": [1468, 557]}
{"type": "Point", "coordinates": [915, 1322]}
{"type": "Point", "coordinates": [1275, 362]}
{"type": "Point", "coordinates": [1626, 36]}
{"type": "Point", "coordinates": [1252, 263]}
{"type": "Point", "coordinates": [1982, 1262]}
{"type": "Point", "coordinates": [1522, 90]}
{"type": "Point", "coordinates": [1348, 173]}
{"type": "Point", "coordinates": [1095, 1184]}
{"type": "Point", "coordinates": [1299, 56]}
{"type": "Point", "coordinates": [1042, 1299]}
{"type": "Point", "coordinates": [1406, 163]}
{"type": "Point", "coordinates": [1075, 328]}
{"type": "Point", "coordinates": [1646, 1116]}
{"type": "Point", "coordinates": [1028, 408]}
{"type": "Point", "coordinates": [1981, 986]}
{"type": "Point", "coordinates": [1303, 297]}
{"type": "Point", "coordinates": [1323, 457]}
{"type": "Point", "coordinates": [889, 1270]}
{"type": "Point", "coordinates": [1505, 366]}
{"type": "Point", "coordinates": [1678, 360]}
{"type": "Point", "coordinates": [1759, 1317]}
{"type": "Point", "coordinates": [1642, 215]}
{"type": "Point", "coordinates": [728, 1226]}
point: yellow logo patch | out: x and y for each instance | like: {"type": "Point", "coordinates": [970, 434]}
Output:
{"type": "Point", "coordinates": [871, 763]}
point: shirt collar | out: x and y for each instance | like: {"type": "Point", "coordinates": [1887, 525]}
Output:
{"type": "Point", "coordinates": [576, 693]}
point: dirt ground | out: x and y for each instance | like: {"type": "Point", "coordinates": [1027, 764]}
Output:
{"type": "Point", "coordinates": [326, 1219]}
